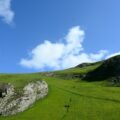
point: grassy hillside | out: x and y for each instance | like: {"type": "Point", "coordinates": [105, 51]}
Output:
{"type": "Point", "coordinates": [69, 98]}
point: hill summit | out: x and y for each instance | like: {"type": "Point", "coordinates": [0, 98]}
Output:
{"type": "Point", "coordinates": [108, 69]}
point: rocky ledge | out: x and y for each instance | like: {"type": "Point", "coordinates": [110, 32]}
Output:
{"type": "Point", "coordinates": [13, 102]}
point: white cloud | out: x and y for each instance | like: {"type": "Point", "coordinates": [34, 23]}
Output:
{"type": "Point", "coordinates": [61, 55]}
{"type": "Point", "coordinates": [46, 54]}
{"type": "Point", "coordinates": [112, 55]}
{"type": "Point", "coordinates": [99, 55]}
{"type": "Point", "coordinates": [5, 11]}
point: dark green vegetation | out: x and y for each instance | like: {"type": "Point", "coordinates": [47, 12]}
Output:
{"type": "Point", "coordinates": [73, 93]}
{"type": "Point", "coordinates": [109, 69]}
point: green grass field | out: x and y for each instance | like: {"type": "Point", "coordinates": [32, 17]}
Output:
{"type": "Point", "coordinates": [69, 99]}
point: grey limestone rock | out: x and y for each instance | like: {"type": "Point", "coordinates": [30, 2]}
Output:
{"type": "Point", "coordinates": [11, 103]}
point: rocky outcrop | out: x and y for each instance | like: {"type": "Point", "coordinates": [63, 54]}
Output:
{"type": "Point", "coordinates": [12, 102]}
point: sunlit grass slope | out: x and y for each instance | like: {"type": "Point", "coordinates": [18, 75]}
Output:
{"type": "Point", "coordinates": [69, 98]}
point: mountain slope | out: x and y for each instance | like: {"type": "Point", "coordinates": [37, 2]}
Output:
{"type": "Point", "coordinates": [69, 97]}
{"type": "Point", "coordinates": [108, 69]}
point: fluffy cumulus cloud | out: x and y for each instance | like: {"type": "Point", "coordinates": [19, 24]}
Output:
{"type": "Point", "coordinates": [5, 11]}
{"type": "Point", "coordinates": [61, 55]}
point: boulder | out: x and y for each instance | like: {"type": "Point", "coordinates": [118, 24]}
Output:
{"type": "Point", "coordinates": [14, 102]}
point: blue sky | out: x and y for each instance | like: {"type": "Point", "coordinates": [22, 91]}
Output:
{"type": "Point", "coordinates": [43, 35]}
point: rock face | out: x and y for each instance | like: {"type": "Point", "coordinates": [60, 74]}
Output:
{"type": "Point", "coordinates": [12, 102]}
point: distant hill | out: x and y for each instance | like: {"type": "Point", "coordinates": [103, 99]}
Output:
{"type": "Point", "coordinates": [83, 65]}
